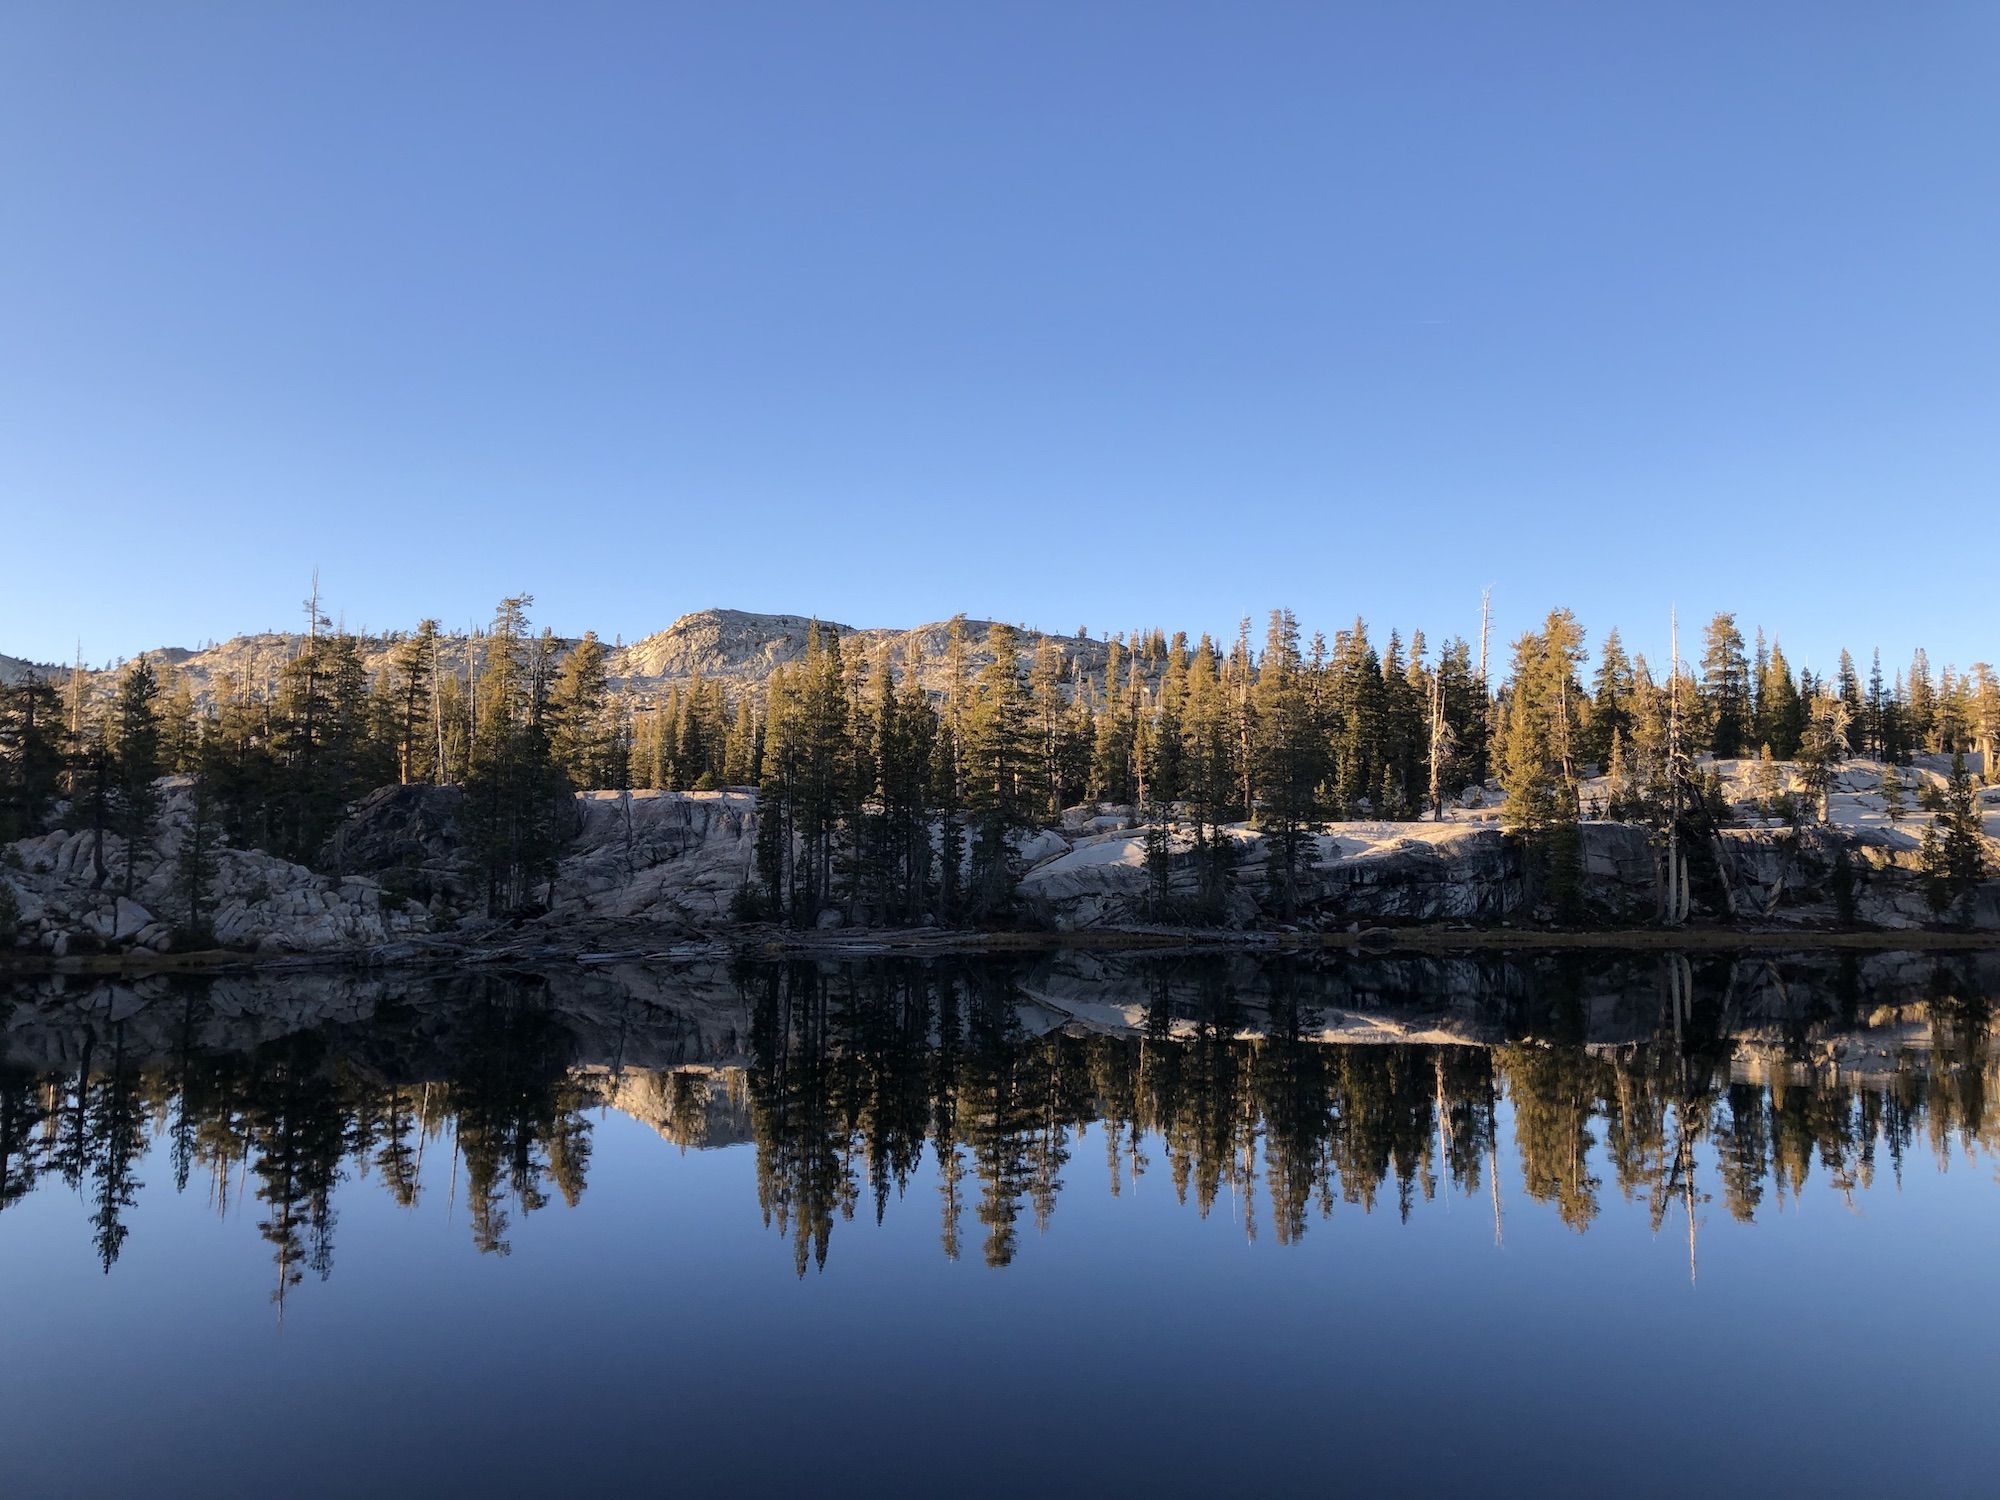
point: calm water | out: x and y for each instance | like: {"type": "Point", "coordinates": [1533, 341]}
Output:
{"type": "Point", "coordinates": [1075, 1226]}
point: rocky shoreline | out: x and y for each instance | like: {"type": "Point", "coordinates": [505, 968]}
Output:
{"type": "Point", "coordinates": [659, 873]}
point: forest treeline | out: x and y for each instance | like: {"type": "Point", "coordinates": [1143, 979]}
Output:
{"type": "Point", "coordinates": [881, 792]}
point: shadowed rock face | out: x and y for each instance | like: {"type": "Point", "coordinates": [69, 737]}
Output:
{"type": "Point", "coordinates": [411, 830]}
{"type": "Point", "coordinates": [664, 856]}
{"type": "Point", "coordinates": [680, 858]}
{"type": "Point", "coordinates": [256, 900]}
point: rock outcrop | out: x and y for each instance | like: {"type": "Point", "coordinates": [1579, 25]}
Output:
{"type": "Point", "coordinates": [256, 901]}
{"type": "Point", "coordinates": [1354, 872]}
{"type": "Point", "coordinates": [680, 861]}
{"type": "Point", "coordinates": [677, 857]}
{"type": "Point", "coordinates": [407, 838]}
{"type": "Point", "coordinates": [681, 858]}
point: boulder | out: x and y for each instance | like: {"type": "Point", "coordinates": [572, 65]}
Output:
{"type": "Point", "coordinates": [129, 918]}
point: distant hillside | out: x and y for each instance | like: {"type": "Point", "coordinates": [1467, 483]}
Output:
{"type": "Point", "coordinates": [727, 644]}
{"type": "Point", "coordinates": [12, 668]}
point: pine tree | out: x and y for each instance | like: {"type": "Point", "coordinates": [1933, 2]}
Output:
{"type": "Point", "coordinates": [948, 775]}
{"type": "Point", "coordinates": [94, 777]}
{"type": "Point", "coordinates": [1237, 682]}
{"type": "Point", "coordinates": [1984, 719]}
{"type": "Point", "coordinates": [309, 806]}
{"type": "Point", "coordinates": [580, 737]}
{"type": "Point", "coordinates": [1117, 735]}
{"type": "Point", "coordinates": [1893, 805]}
{"type": "Point", "coordinates": [1953, 850]}
{"type": "Point", "coordinates": [135, 797]}
{"type": "Point", "coordinates": [1466, 714]}
{"type": "Point", "coordinates": [517, 801]}
{"type": "Point", "coordinates": [1921, 710]}
{"type": "Point", "coordinates": [412, 692]}
{"type": "Point", "coordinates": [1725, 687]}
{"type": "Point", "coordinates": [180, 724]}
{"type": "Point", "coordinates": [1045, 690]}
{"type": "Point", "coordinates": [1847, 687]}
{"type": "Point", "coordinates": [1876, 711]}
{"type": "Point", "coordinates": [195, 860]}
{"type": "Point", "coordinates": [31, 755]}
{"type": "Point", "coordinates": [357, 756]}
{"type": "Point", "coordinates": [1356, 720]}
{"type": "Point", "coordinates": [1536, 754]}
{"type": "Point", "coordinates": [1209, 759]}
{"type": "Point", "coordinates": [1766, 783]}
{"type": "Point", "coordinates": [997, 773]}
{"type": "Point", "coordinates": [1823, 749]}
{"type": "Point", "coordinates": [745, 747]}
{"type": "Point", "coordinates": [1289, 760]}
{"type": "Point", "coordinates": [823, 758]}
{"type": "Point", "coordinates": [775, 852]}
{"type": "Point", "coordinates": [1611, 702]}
{"type": "Point", "coordinates": [1781, 713]}
{"type": "Point", "coordinates": [909, 736]}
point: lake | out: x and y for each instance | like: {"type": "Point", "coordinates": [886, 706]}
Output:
{"type": "Point", "coordinates": [1626, 1224]}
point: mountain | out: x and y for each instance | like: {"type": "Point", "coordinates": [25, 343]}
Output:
{"type": "Point", "coordinates": [13, 669]}
{"type": "Point", "coordinates": [732, 645]}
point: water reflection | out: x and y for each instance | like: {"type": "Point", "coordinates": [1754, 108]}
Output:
{"type": "Point", "coordinates": [1281, 1092]}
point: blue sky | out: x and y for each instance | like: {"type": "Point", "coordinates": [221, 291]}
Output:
{"type": "Point", "coordinates": [1100, 314]}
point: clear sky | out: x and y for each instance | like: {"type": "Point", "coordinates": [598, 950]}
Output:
{"type": "Point", "coordinates": [1080, 313]}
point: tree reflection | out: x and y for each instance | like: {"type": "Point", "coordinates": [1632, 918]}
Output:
{"type": "Point", "coordinates": [862, 1081]}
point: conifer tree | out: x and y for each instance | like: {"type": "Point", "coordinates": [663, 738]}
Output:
{"type": "Point", "coordinates": [909, 737]}
{"type": "Point", "coordinates": [1045, 689]}
{"type": "Point", "coordinates": [1611, 703]}
{"type": "Point", "coordinates": [1166, 776]}
{"type": "Point", "coordinates": [300, 752]}
{"type": "Point", "coordinates": [237, 751]}
{"type": "Point", "coordinates": [581, 732]}
{"type": "Point", "coordinates": [412, 705]}
{"type": "Point", "coordinates": [1237, 682]}
{"type": "Point", "coordinates": [180, 724]}
{"type": "Point", "coordinates": [195, 859]}
{"type": "Point", "coordinates": [740, 766]}
{"type": "Point", "coordinates": [94, 774]}
{"type": "Point", "coordinates": [1725, 687]}
{"type": "Point", "coordinates": [996, 773]}
{"type": "Point", "coordinates": [1463, 698]}
{"type": "Point", "coordinates": [1823, 749]}
{"type": "Point", "coordinates": [357, 758]}
{"type": "Point", "coordinates": [1953, 850]}
{"type": "Point", "coordinates": [1766, 783]}
{"type": "Point", "coordinates": [1893, 806]}
{"type": "Point", "coordinates": [1847, 687]}
{"type": "Point", "coordinates": [135, 799]}
{"type": "Point", "coordinates": [516, 797]}
{"type": "Point", "coordinates": [1288, 758]}
{"type": "Point", "coordinates": [1921, 705]}
{"type": "Point", "coordinates": [779, 774]}
{"type": "Point", "coordinates": [948, 775]}
{"type": "Point", "coordinates": [1357, 720]}
{"type": "Point", "coordinates": [1117, 733]}
{"type": "Point", "coordinates": [1536, 756]}
{"type": "Point", "coordinates": [31, 754]}
{"type": "Point", "coordinates": [1405, 696]}
{"type": "Point", "coordinates": [1875, 710]}
{"type": "Point", "coordinates": [1209, 760]}
{"type": "Point", "coordinates": [1781, 713]}
{"type": "Point", "coordinates": [1617, 776]}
